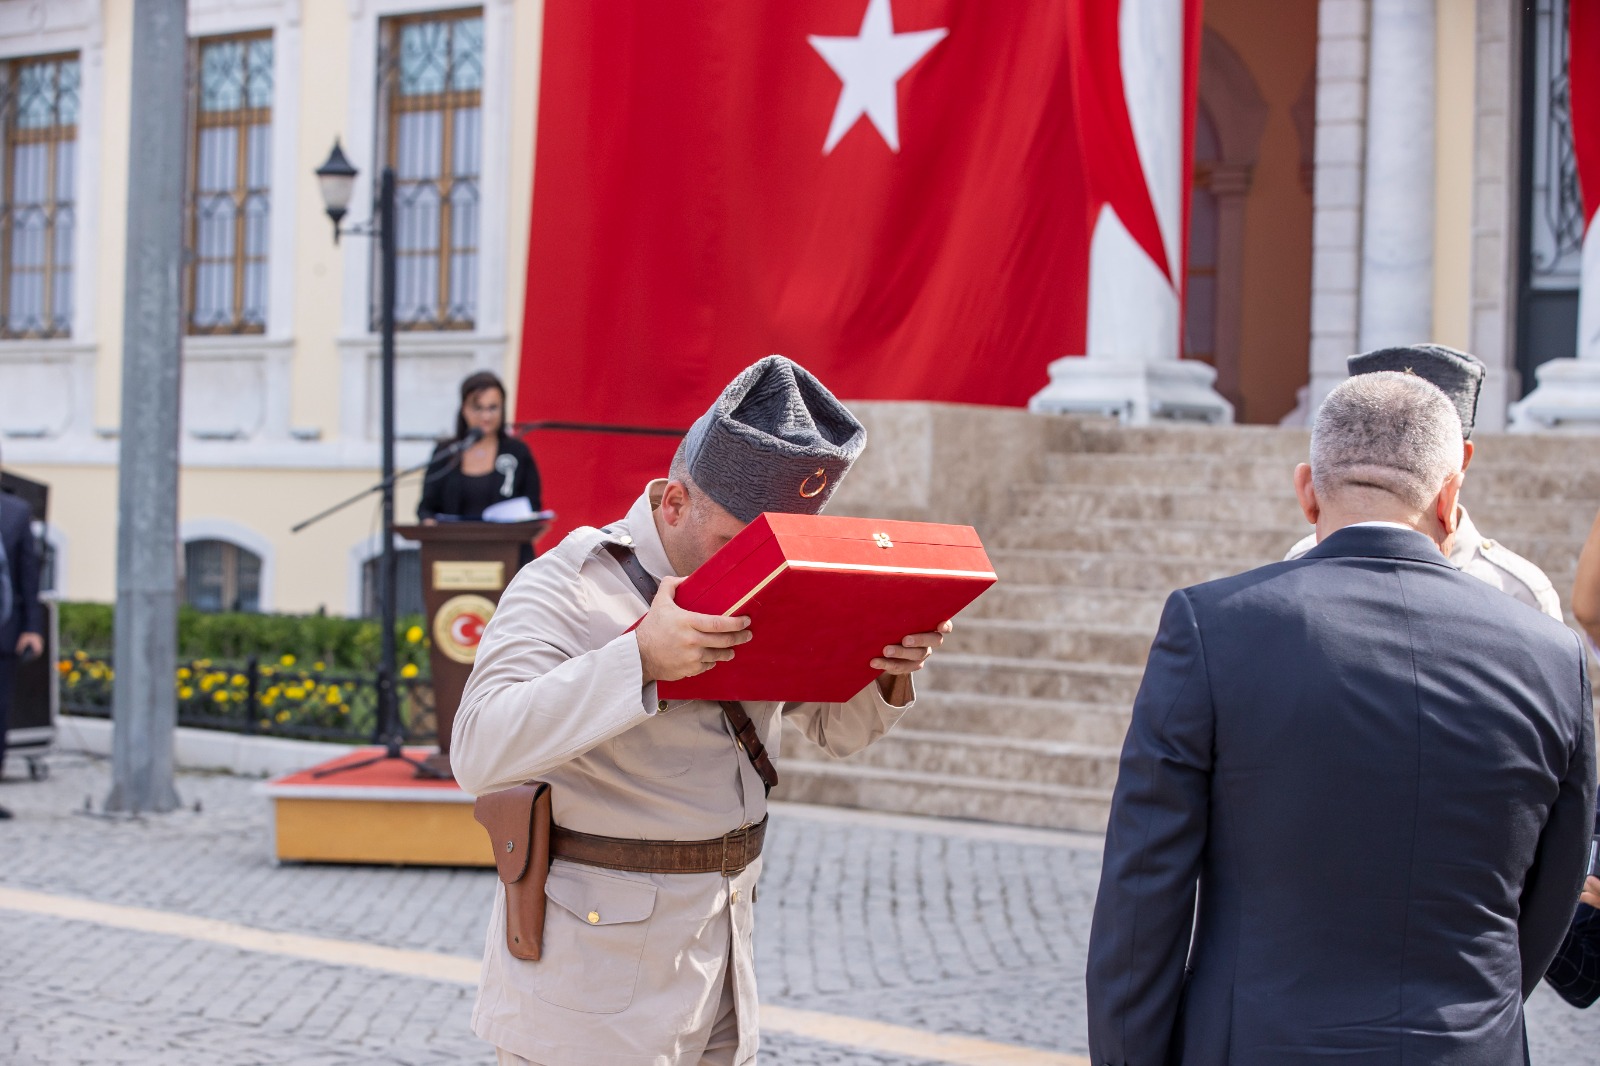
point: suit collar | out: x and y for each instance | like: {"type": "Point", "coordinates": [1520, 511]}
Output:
{"type": "Point", "coordinates": [1379, 542]}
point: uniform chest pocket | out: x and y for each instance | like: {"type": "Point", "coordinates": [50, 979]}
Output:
{"type": "Point", "coordinates": [663, 745]}
{"type": "Point", "coordinates": [594, 933]}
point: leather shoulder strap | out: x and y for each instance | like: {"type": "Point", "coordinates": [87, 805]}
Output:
{"type": "Point", "coordinates": [744, 730]}
{"type": "Point", "coordinates": [642, 581]}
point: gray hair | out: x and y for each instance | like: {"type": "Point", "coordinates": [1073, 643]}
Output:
{"type": "Point", "coordinates": [1388, 431]}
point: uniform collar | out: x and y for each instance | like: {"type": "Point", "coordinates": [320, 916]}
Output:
{"type": "Point", "coordinates": [640, 524]}
{"type": "Point", "coordinates": [1467, 539]}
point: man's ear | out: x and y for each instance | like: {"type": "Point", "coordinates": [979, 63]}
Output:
{"type": "Point", "coordinates": [1446, 506]}
{"type": "Point", "coordinates": [1306, 493]}
{"type": "Point", "coordinates": [1466, 455]}
{"type": "Point", "coordinates": [674, 503]}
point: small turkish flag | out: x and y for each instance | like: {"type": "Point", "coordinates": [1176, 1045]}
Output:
{"type": "Point", "coordinates": [897, 194]}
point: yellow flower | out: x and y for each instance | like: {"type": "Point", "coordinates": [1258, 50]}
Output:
{"type": "Point", "coordinates": [74, 677]}
{"type": "Point", "coordinates": [183, 673]}
{"type": "Point", "coordinates": [287, 660]}
{"type": "Point", "coordinates": [343, 709]}
{"type": "Point", "coordinates": [185, 693]}
{"type": "Point", "coordinates": [295, 692]}
{"type": "Point", "coordinates": [202, 663]}
{"type": "Point", "coordinates": [319, 666]}
{"type": "Point", "coordinates": [240, 681]}
{"type": "Point", "coordinates": [80, 655]}
{"type": "Point", "coordinates": [283, 716]}
{"type": "Point", "coordinates": [414, 635]}
{"type": "Point", "coordinates": [408, 670]}
{"type": "Point", "coordinates": [221, 697]}
{"type": "Point", "coordinates": [266, 671]}
{"type": "Point", "coordinates": [334, 695]}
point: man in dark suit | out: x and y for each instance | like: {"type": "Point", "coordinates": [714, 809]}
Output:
{"type": "Point", "coordinates": [1376, 772]}
{"type": "Point", "coordinates": [21, 618]}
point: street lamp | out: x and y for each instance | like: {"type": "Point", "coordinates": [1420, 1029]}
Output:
{"type": "Point", "coordinates": [337, 178]}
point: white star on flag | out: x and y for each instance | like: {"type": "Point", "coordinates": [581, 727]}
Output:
{"type": "Point", "coordinates": [870, 66]}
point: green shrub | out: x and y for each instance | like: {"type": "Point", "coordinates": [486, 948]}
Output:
{"type": "Point", "coordinates": [340, 643]}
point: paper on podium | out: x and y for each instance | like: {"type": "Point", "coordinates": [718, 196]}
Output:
{"type": "Point", "coordinates": [516, 509]}
{"type": "Point", "coordinates": [825, 595]}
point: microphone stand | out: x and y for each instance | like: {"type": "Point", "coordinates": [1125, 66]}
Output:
{"type": "Point", "coordinates": [390, 733]}
{"type": "Point", "coordinates": [448, 453]}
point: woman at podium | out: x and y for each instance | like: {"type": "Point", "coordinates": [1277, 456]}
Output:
{"type": "Point", "coordinates": [482, 467]}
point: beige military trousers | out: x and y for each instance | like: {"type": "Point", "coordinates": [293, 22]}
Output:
{"type": "Point", "coordinates": [720, 1048]}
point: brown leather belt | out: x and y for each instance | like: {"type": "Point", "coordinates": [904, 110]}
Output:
{"type": "Point", "coordinates": [727, 854]}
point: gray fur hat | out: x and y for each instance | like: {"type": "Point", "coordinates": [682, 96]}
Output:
{"type": "Point", "coordinates": [1456, 374]}
{"type": "Point", "coordinates": [775, 440]}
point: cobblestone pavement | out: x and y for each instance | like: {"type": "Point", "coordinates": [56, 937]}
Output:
{"type": "Point", "coordinates": [945, 927]}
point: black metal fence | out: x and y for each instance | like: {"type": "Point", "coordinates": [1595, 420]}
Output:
{"type": "Point", "coordinates": [280, 698]}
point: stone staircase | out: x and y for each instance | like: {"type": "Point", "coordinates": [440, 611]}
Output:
{"type": "Point", "coordinates": [1021, 718]}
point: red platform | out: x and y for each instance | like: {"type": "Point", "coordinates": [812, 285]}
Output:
{"type": "Point", "coordinates": [382, 813]}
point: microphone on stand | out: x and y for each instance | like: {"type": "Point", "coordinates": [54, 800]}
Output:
{"type": "Point", "coordinates": [450, 455]}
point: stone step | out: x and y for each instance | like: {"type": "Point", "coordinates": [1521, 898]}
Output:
{"type": "Point", "coordinates": [1269, 475]}
{"type": "Point", "coordinates": [1008, 638]}
{"type": "Point", "coordinates": [1103, 437]}
{"type": "Point", "coordinates": [1120, 571]}
{"type": "Point", "coordinates": [1122, 503]}
{"type": "Point", "coordinates": [1096, 724]}
{"type": "Point", "coordinates": [1273, 476]}
{"type": "Point", "coordinates": [945, 796]}
{"type": "Point", "coordinates": [1040, 679]}
{"type": "Point", "coordinates": [1515, 521]}
{"type": "Point", "coordinates": [1082, 605]}
{"type": "Point", "coordinates": [1166, 540]}
{"type": "Point", "coordinates": [1019, 760]}
{"type": "Point", "coordinates": [1186, 441]}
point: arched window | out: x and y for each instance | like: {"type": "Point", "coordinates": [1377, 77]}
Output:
{"type": "Point", "coordinates": [407, 581]}
{"type": "Point", "coordinates": [219, 575]}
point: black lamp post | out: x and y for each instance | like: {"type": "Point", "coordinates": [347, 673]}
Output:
{"type": "Point", "coordinates": [337, 178]}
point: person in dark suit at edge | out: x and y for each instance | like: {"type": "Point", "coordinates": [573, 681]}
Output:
{"type": "Point", "coordinates": [21, 616]}
{"type": "Point", "coordinates": [1575, 973]}
{"type": "Point", "coordinates": [1376, 773]}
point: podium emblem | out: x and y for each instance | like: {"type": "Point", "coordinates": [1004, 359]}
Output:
{"type": "Point", "coordinates": [458, 626]}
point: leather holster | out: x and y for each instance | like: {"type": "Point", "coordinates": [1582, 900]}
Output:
{"type": "Point", "coordinates": [518, 821]}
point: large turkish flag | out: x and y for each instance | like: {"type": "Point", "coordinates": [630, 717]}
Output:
{"type": "Point", "coordinates": [898, 195]}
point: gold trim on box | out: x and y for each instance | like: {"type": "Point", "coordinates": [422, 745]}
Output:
{"type": "Point", "coordinates": [859, 568]}
{"type": "Point", "coordinates": [461, 576]}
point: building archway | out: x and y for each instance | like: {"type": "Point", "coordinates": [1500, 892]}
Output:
{"type": "Point", "coordinates": [1232, 115]}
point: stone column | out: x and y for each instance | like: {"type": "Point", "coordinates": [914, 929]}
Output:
{"type": "Point", "coordinates": [1498, 98]}
{"type": "Point", "coordinates": [1132, 366]}
{"type": "Point", "coordinates": [1337, 192]}
{"type": "Point", "coordinates": [1567, 398]}
{"type": "Point", "coordinates": [1398, 186]}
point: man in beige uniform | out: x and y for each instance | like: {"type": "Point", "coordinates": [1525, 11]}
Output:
{"type": "Point", "coordinates": [1460, 376]}
{"type": "Point", "coordinates": [646, 968]}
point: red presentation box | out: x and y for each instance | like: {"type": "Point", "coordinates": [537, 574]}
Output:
{"type": "Point", "coordinates": [825, 595]}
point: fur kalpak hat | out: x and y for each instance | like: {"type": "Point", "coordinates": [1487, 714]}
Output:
{"type": "Point", "coordinates": [775, 440]}
{"type": "Point", "coordinates": [1456, 374]}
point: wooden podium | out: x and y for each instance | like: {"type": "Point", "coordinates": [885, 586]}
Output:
{"type": "Point", "coordinates": [465, 567]}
